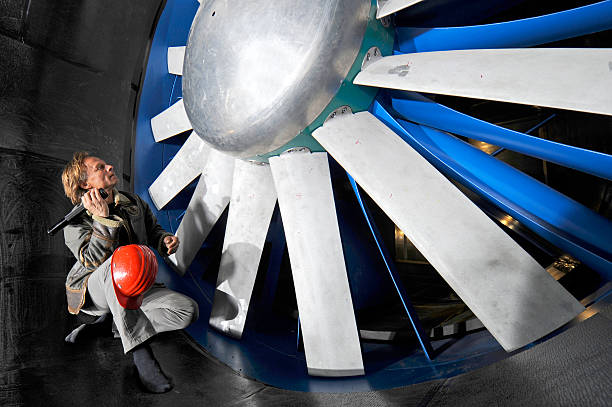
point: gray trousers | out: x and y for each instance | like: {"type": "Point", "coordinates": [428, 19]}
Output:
{"type": "Point", "coordinates": [162, 309]}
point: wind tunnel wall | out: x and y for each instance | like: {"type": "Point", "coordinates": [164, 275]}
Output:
{"type": "Point", "coordinates": [70, 72]}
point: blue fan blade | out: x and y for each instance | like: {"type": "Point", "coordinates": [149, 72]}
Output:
{"type": "Point", "coordinates": [513, 34]}
{"type": "Point", "coordinates": [555, 217]}
{"type": "Point", "coordinates": [424, 111]}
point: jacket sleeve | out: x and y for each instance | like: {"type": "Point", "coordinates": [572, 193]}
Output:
{"type": "Point", "coordinates": [155, 233]}
{"type": "Point", "coordinates": [92, 242]}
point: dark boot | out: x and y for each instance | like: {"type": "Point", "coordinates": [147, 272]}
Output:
{"type": "Point", "coordinates": [149, 371]}
{"type": "Point", "coordinates": [93, 326]}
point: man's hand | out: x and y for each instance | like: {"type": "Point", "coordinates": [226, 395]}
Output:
{"type": "Point", "coordinates": [172, 243]}
{"type": "Point", "coordinates": [94, 203]}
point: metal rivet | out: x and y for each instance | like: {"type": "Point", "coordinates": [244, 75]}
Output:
{"type": "Point", "coordinates": [371, 55]}
{"type": "Point", "coordinates": [296, 150]}
{"type": "Point", "coordinates": [339, 111]}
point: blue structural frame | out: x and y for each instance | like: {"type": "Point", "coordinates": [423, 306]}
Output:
{"type": "Point", "coordinates": [514, 34]}
{"type": "Point", "coordinates": [534, 128]}
{"type": "Point", "coordinates": [555, 217]}
{"type": "Point", "coordinates": [267, 351]}
{"type": "Point", "coordinates": [397, 282]}
{"type": "Point", "coordinates": [419, 109]}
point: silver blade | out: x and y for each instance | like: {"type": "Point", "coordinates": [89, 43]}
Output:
{"type": "Point", "coordinates": [176, 55]}
{"type": "Point", "coordinates": [515, 298]}
{"type": "Point", "coordinates": [170, 122]}
{"type": "Point", "coordinates": [575, 79]}
{"type": "Point", "coordinates": [386, 7]}
{"type": "Point", "coordinates": [251, 206]}
{"type": "Point", "coordinates": [186, 165]}
{"type": "Point", "coordinates": [208, 202]}
{"type": "Point", "coordinates": [305, 198]}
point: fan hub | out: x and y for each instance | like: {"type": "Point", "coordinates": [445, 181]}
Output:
{"type": "Point", "coordinates": [257, 73]}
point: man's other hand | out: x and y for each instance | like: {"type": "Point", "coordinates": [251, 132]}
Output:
{"type": "Point", "coordinates": [94, 203]}
{"type": "Point", "coordinates": [172, 243]}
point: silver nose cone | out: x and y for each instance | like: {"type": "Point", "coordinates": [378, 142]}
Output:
{"type": "Point", "coordinates": [258, 72]}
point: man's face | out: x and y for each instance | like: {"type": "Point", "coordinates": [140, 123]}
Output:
{"type": "Point", "coordinates": [99, 174]}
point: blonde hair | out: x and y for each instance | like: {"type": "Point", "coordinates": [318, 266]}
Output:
{"type": "Point", "coordinates": [74, 173]}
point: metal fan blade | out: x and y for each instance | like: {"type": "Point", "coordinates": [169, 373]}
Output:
{"type": "Point", "coordinates": [513, 296]}
{"type": "Point", "coordinates": [170, 122]}
{"type": "Point", "coordinates": [386, 7]}
{"type": "Point", "coordinates": [208, 202]}
{"type": "Point", "coordinates": [186, 165]}
{"type": "Point", "coordinates": [251, 207]}
{"type": "Point", "coordinates": [176, 55]}
{"type": "Point", "coordinates": [306, 202]}
{"type": "Point", "coordinates": [575, 79]}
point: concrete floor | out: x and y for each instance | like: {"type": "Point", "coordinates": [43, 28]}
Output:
{"type": "Point", "coordinates": [571, 369]}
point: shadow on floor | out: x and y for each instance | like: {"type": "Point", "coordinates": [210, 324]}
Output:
{"type": "Point", "coordinates": [572, 368]}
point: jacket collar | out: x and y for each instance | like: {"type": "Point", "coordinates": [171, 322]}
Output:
{"type": "Point", "coordinates": [119, 198]}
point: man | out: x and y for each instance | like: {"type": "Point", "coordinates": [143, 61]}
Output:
{"type": "Point", "coordinates": [121, 219]}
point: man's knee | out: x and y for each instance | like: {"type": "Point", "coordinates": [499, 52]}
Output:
{"type": "Point", "coordinates": [169, 310]}
{"type": "Point", "coordinates": [188, 312]}
{"type": "Point", "coordinates": [194, 311]}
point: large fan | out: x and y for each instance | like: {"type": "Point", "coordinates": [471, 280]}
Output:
{"type": "Point", "coordinates": [271, 88]}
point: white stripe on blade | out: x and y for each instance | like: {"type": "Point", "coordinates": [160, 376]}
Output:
{"type": "Point", "coordinates": [176, 55]}
{"type": "Point", "coordinates": [565, 78]}
{"type": "Point", "coordinates": [251, 206]}
{"type": "Point", "coordinates": [208, 202]}
{"type": "Point", "coordinates": [386, 7]}
{"type": "Point", "coordinates": [186, 165]}
{"type": "Point", "coordinates": [305, 198]}
{"type": "Point", "coordinates": [515, 298]}
{"type": "Point", "coordinates": [170, 122]}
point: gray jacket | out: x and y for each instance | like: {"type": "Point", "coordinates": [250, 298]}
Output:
{"type": "Point", "coordinates": [92, 240]}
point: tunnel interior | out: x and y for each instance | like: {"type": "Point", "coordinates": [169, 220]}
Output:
{"type": "Point", "coordinates": [87, 76]}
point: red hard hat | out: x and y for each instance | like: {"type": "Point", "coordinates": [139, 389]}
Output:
{"type": "Point", "coordinates": [133, 269]}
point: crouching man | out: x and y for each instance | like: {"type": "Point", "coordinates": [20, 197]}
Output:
{"type": "Point", "coordinates": [115, 267]}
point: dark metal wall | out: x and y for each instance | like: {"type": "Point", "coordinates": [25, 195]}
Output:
{"type": "Point", "coordinates": [69, 77]}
